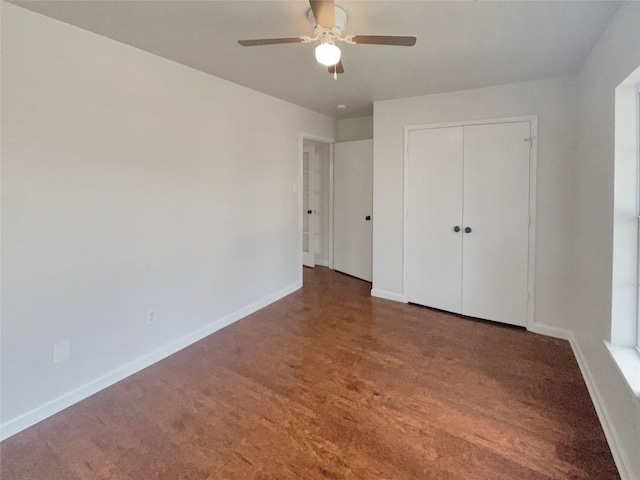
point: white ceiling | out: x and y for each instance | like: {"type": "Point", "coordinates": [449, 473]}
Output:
{"type": "Point", "coordinates": [461, 44]}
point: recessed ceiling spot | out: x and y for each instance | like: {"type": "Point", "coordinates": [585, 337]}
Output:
{"type": "Point", "coordinates": [341, 107]}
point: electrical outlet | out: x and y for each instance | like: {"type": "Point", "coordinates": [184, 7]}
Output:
{"type": "Point", "coordinates": [61, 352]}
{"type": "Point", "coordinates": [151, 317]}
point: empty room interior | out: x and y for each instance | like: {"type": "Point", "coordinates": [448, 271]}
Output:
{"type": "Point", "coordinates": [320, 240]}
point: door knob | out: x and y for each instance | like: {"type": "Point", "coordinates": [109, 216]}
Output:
{"type": "Point", "coordinates": [456, 229]}
{"type": "Point", "coordinates": [309, 212]}
{"type": "Point", "coordinates": [367, 218]}
{"type": "Point", "coordinates": [467, 230]}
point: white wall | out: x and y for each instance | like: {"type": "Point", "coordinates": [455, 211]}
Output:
{"type": "Point", "coordinates": [615, 56]}
{"type": "Point", "coordinates": [554, 102]}
{"type": "Point", "coordinates": [131, 182]}
{"type": "Point", "coordinates": [350, 129]}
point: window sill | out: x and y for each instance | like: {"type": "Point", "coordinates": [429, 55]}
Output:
{"type": "Point", "coordinates": [628, 361]}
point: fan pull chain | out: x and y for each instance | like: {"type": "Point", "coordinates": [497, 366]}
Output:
{"type": "Point", "coordinates": [335, 72]}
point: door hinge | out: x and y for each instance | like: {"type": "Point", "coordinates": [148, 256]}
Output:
{"type": "Point", "coordinates": [530, 140]}
{"type": "Point", "coordinates": [407, 213]}
{"type": "Point", "coordinates": [529, 220]}
{"type": "Point", "coordinates": [406, 275]}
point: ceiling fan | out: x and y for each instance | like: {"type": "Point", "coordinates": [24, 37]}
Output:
{"type": "Point", "coordinates": [328, 23]}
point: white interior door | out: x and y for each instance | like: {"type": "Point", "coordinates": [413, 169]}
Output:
{"type": "Point", "coordinates": [496, 222]}
{"type": "Point", "coordinates": [353, 207]}
{"type": "Point", "coordinates": [309, 205]}
{"type": "Point", "coordinates": [434, 247]}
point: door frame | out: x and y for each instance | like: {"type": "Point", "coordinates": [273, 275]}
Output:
{"type": "Point", "coordinates": [533, 168]}
{"type": "Point", "coordinates": [330, 141]}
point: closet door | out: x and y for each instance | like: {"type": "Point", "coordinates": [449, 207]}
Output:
{"type": "Point", "coordinates": [434, 248]}
{"type": "Point", "coordinates": [496, 211]}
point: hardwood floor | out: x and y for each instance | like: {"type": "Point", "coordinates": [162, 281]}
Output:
{"type": "Point", "coordinates": [330, 383]}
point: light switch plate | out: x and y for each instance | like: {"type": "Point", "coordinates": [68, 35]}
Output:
{"type": "Point", "coordinates": [61, 351]}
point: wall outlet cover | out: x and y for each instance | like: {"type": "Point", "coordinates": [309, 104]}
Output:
{"type": "Point", "coordinates": [61, 351]}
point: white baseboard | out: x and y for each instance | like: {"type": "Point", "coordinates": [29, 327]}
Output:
{"type": "Point", "coordinates": [322, 263]}
{"type": "Point", "coordinates": [549, 331]}
{"type": "Point", "coordinates": [622, 461]}
{"type": "Point", "coordinates": [17, 424]}
{"type": "Point", "coordinates": [396, 297]}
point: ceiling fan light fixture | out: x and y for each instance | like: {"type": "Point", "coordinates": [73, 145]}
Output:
{"type": "Point", "coordinates": [327, 54]}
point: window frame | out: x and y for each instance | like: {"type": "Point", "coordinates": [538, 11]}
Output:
{"type": "Point", "coordinates": [637, 179]}
{"type": "Point", "coordinates": [624, 343]}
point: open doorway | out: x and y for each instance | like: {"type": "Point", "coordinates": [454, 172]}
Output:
{"type": "Point", "coordinates": [317, 203]}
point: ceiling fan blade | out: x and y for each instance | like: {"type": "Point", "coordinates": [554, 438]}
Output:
{"type": "Point", "coordinates": [323, 12]}
{"type": "Point", "coordinates": [338, 66]}
{"type": "Point", "coordinates": [270, 41]}
{"type": "Point", "coordinates": [384, 40]}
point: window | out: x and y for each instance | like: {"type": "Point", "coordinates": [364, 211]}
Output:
{"type": "Point", "coordinates": [625, 294]}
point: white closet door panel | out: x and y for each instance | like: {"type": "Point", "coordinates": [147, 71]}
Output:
{"type": "Point", "coordinates": [353, 203]}
{"type": "Point", "coordinates": [496, 208]}
{"type": "Point", "coordinates": [434, 249]}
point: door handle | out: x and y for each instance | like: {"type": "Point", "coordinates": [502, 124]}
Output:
{"type": "Point", "coordinates": [456, 229]}
{"type": "Point", "coordinates": [467, 230]}
{"type": "Point", "coordinates": [309, 212]}
{"type": "Point", "coordinates": [367, 218]}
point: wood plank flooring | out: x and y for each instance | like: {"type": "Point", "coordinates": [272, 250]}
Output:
{"type": "Point", "coordinates": [330, 383]}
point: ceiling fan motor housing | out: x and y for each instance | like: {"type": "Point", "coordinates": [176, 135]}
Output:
{"type": "Point", "coordinates": [322, 33]}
